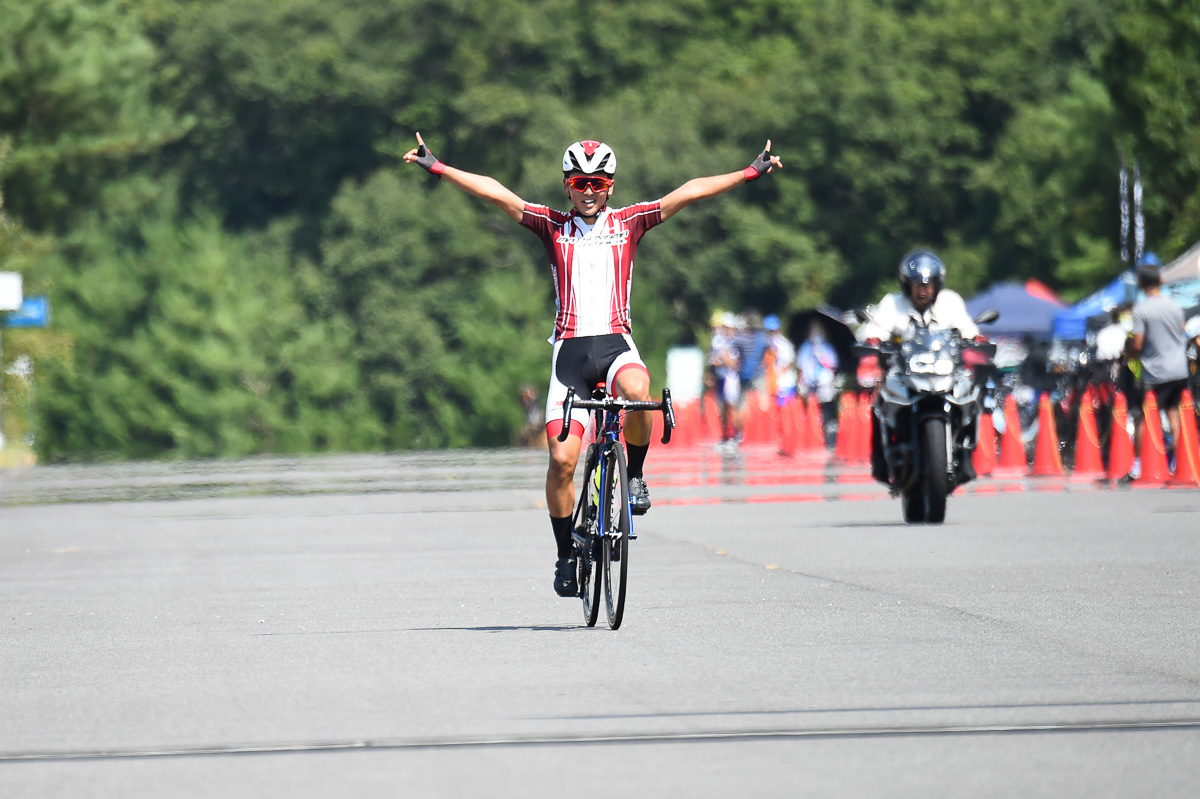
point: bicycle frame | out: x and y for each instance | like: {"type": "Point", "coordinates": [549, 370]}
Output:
{"type": "Point", "coordinates": [608, 435]}
{"type": "Point", "coordinates": [601, 527]}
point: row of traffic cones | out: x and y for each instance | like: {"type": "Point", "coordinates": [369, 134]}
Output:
{"type": "Point", "coordinates": [1012, 446]}
{"type": "Point", "coordinates": [800, 426]}
{"type": "Point", "coordinates": [1089, 462]}
{"type": "Point", "coordinates": [794, 426]}
{"type": "Point", "coordinates": [853, 443]}
{"type": "Point", "coordinates": [1155, 468]}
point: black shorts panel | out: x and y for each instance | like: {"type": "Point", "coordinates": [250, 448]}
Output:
{"type": "Point", "coordinates": [583, 362]}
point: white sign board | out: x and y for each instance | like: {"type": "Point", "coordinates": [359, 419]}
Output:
{"type": "Point", "coordinates": [10, 291]}
{"type": "Point", "coordinates": [685, 373]}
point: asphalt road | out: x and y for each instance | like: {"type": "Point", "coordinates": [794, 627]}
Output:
{"type": "Point", "coordinates": [384, 626]}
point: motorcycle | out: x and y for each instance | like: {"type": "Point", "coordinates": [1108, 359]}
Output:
{"type": "Point", "coordinates": [925, 414]}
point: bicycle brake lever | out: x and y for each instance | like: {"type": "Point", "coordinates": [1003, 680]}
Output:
{"type": "Point", "coordinates": [668, 412]}
{"type": "Point", "coordinates": [568, 403]}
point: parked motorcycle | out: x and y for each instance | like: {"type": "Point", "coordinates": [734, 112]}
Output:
{"type": "Point", "coordinates": [925, 414]}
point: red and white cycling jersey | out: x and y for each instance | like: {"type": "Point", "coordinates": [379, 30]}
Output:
{"type": "Point", "coordinates": [592, 265]}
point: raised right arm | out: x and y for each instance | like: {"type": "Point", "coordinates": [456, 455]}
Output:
{"type": "Point", "coordinates": [481, 186]}
{"type": "Point", "coordinates": [703, 188]}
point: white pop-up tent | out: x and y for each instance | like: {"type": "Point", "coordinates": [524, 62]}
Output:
{"type": "Point", "coordinates": [1185, 267]}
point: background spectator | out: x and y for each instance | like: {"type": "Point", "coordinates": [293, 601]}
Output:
{"type": "Point", "coordinates": [818, 363]}
{"type": "Point", "coordinates": [723, 363]}
{"type": "Point", "coordinates": [780, 362]}
{"type": "Point", "coordinates": [1158, 340]}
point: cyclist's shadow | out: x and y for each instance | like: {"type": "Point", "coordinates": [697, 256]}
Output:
{"type": "Point", "coordinates": [534, 628]}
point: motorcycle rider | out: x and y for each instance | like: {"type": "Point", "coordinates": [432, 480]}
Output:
{"type": "Point", "coordinates": [921, 297]}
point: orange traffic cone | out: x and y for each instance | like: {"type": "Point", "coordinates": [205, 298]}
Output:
{"type": "Point", "coordinates": [695, 423]}
{"type": "Point", "coordinates": [1120, 446]}
{"type": "Point", "coordinates": [1012, 448]}
{"type": "Point", "coordinates": [1088, 460]}
{"type": "Point", "coordinates": [847, 427]}
{"type": "Point", "coordinates": [689, 423]}
{"type": "Point", "coordinates": [800, 423]}
{"type": "Point", "coordinates": [1046, 460]}
{"type": "Point", "coordinates": [1154, 451]}
{"type": "Point", "coordinates": [1187, 450]}
{"type": "Point", "coordinates": [760, 419]}
{"type": "Point", "coordinates": [682, 433]}
{"type": "Point", "coordinates": [749, 429]}
{"type": "Point", "coordinates": [710, 418]}
{"type": "Point", "coordinates": [984, 457]}
{"type": "Point", "coordinates": [815, 426]}
{"type": "Point", "coordinates": [787, 428]}
{"type": "Point", "coordinates": [863, 453]}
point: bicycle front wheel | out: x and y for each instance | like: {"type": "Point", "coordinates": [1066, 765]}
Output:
{"type": "Point", "coordinates": [616, 526]}
{"type": "Point", "coordinates": [587, 542]}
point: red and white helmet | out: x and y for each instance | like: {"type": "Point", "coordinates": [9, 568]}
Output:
{"type": "Point", "coordinates": [590, 157]}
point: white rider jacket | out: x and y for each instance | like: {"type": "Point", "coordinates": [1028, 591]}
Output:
{"type": "Point", "coordinates": [894, 311]}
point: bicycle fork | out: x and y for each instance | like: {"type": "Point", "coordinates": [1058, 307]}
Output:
{"type": "Point", "coordinates": [606, 480]}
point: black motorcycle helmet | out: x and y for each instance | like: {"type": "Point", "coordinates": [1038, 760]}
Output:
{"type": "Point", "coordinates": [922, 266]}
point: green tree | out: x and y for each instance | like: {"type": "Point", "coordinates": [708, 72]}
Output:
{"type": "Point", "coordinates": [289, 99]}
{"type": "Point", "coordinates": [989, 133]}
{"type": "Point", "coordinates": [75, 103]}
{"type": "Point", "coordinates": [1153, 72]}
{"type": "Point", "coordinates": [450, 318]}
{"type": "Point", "coordinates": [191, 343]}
{"type": "Point", "coordinates": [1052, 188]}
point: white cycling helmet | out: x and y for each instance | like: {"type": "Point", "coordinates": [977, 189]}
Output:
{"type": "Point", "coordinates": [590, 157]}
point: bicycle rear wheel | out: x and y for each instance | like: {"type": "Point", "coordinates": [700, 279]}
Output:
{"type": "Point", "coordinates": [587, 539]}
{"type": "Point", "coordinates": [616, 526]}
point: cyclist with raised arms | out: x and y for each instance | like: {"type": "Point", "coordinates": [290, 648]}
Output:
{"type": "Point", "coordinates": [591, 251]}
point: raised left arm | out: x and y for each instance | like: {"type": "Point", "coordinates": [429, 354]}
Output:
{"type": "Point", "coordinates": [703, 188]}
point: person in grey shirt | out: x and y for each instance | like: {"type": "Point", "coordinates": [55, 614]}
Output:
{"type": "Point", "coordinates": [1160, 343]}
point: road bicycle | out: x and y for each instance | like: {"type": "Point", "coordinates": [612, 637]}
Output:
{"type": "Point", "coordinates": [602, 524]}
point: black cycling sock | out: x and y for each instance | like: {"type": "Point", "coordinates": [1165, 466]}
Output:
{"type": "Point", "coordinates": [562, 535]}
{"type": "Point", "coordinates": [637, 458]}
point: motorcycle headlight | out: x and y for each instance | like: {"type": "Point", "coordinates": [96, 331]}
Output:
{"type": "Point", "coordinates": [928, 363]}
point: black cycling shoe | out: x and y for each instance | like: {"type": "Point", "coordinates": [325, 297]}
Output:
{"type": "Point", "coordinates": [565, 581]}
{"type": "Point", "coordinates": [640, 495]}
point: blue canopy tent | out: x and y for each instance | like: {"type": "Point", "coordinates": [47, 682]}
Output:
{"type": "Point", "coordinates": [1071, 324]}
{"type": "Point", "coordinates": [1021, 313]}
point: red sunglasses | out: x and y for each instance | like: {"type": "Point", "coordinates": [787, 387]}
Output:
{"type": "Point", "coordinates": [582, 183]}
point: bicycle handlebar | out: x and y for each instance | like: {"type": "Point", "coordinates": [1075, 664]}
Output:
{"type": "Point", "coordinates": [619, 404]}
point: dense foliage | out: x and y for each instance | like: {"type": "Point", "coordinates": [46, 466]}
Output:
{"type": "Point", "coordinates": [210, 191]}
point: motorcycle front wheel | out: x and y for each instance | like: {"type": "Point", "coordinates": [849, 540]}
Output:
{"type": "Point", "coordinates": [936, 478]}
{"type": "Point", "coordinates": [912, 503]}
